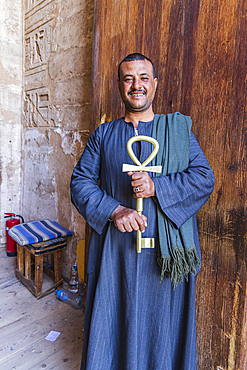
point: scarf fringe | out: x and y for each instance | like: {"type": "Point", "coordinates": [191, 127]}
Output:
{"type": "Point", "coordinates": [180, 265]}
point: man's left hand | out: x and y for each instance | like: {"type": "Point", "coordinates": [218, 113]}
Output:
{"type": "Point", "coordinates": [144, 184]}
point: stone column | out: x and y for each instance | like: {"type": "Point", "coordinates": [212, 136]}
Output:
{"type": "Point", "coordinates": [57, 79]}
{"type": "Point", "coordinates": [10, 109]}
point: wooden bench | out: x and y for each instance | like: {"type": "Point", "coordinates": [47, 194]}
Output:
{"type": "Point", "coordinates": [35, 240]}
{"type": "Point", "coordinates": [38, 251]}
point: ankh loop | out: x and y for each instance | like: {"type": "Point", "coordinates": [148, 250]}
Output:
{"type": "Point", "coordinates": [142, 242]}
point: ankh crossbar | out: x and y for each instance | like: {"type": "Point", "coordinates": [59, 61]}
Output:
{"type": "Point", "coordinates": [142, 242]}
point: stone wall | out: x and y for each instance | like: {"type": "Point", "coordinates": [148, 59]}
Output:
{"type": "Point", "coordinates": [10, 109]}
{"type": "Point", "coordinates": [56, 112]}
{"type": "Point", "coordinates": [45, 109]}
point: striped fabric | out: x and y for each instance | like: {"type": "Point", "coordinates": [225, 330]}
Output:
{"type": "Point", "coordinates": [37, 231]}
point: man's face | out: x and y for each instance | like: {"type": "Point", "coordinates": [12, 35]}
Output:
{"type": "Point", "coordinates": [137, 85]}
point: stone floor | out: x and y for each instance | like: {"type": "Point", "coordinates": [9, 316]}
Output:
{"type": "Point", "coordinates": [25, 322]}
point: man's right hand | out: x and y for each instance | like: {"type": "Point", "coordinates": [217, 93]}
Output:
{"type": "Point", "coordinates": [127, 219]}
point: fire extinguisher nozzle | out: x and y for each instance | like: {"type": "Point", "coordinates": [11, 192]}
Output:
{"type": "Point", "coordinates": [22, 219]}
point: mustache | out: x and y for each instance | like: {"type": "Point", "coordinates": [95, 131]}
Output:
{"type": "Point", "coordinates": [137, 91]}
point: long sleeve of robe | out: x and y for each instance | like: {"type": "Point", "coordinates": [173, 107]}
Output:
{"type": "Point", "coordinates": [132, 320]}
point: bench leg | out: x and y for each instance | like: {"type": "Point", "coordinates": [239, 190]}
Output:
{"type": "Point", "coordinates": [20, 259]}
{"type": "Point", "coordinates": [38, 280]}
{"type": "Point", "coordinates": [27, 264]}
{"type": "Point", "coordinates": [57, 266]}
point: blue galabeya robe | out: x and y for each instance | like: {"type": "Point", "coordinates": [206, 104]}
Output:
{"type": "Point", "coordinates": [132, 320]}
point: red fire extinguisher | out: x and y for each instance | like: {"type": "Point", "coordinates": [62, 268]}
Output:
{"type": "Point", "coordinates": [11, 244]}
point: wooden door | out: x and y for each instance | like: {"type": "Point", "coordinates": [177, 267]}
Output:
{"type": "Point", "coordinates": [199, 51]}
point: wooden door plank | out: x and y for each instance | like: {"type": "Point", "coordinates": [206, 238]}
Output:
{"type": "Point", "coordinates": [199, 51]}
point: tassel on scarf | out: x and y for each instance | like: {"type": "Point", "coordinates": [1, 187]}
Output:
{"type": "Point", "coordinates": [192, 257]}
{"type": "Point", "coordinates": [178, 267]}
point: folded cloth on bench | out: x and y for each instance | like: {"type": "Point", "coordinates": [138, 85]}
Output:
{"type": "Point", "coordinates": [46, 246]}
{"type": "Point", "coordinates": [37, 231]}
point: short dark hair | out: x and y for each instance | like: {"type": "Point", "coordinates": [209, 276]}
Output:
{"type": "Point", "coordinates": [135, 56]}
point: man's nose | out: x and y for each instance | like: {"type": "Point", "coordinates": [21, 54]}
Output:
{"type": "Point", "coordinates": [136, 83]}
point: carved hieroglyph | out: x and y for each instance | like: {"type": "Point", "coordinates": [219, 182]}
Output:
{"type": "Point", "coordinates": [38, 47]}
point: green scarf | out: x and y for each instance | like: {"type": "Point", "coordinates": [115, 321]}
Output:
{"type": "Point", "coordinates": [177, 253]}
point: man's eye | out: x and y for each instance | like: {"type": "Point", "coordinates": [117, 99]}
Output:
{"type": "Point", "coordinates": [144, 78]}
{"type": "Point", "coordinates": [128, 80]}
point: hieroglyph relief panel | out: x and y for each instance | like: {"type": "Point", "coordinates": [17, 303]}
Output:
{"type": "Point", "coordinates": [38, 112]}
{"type": "Point", "coordinates": [30, 4]}
{"type": "Point", "coordinates": [38, 47]}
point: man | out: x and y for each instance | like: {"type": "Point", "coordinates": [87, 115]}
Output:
{"type": "Point", "coordinates": [140, 309]}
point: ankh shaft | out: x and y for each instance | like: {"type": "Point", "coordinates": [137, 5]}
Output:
{"type": "Point", "coordinates": [142, 242]}
{"type": "Point", "coordinates": [139, 208]}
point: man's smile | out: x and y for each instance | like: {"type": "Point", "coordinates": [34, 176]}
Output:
{"type": "Point", "coordinates": [137, 93]}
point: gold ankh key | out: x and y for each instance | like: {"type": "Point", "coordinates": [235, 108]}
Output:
{"type": "Point", "coordinates": [142, 242]}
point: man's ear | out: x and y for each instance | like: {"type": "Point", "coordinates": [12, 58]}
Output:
{"type": "Point", "coordinates": [155, 83]}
